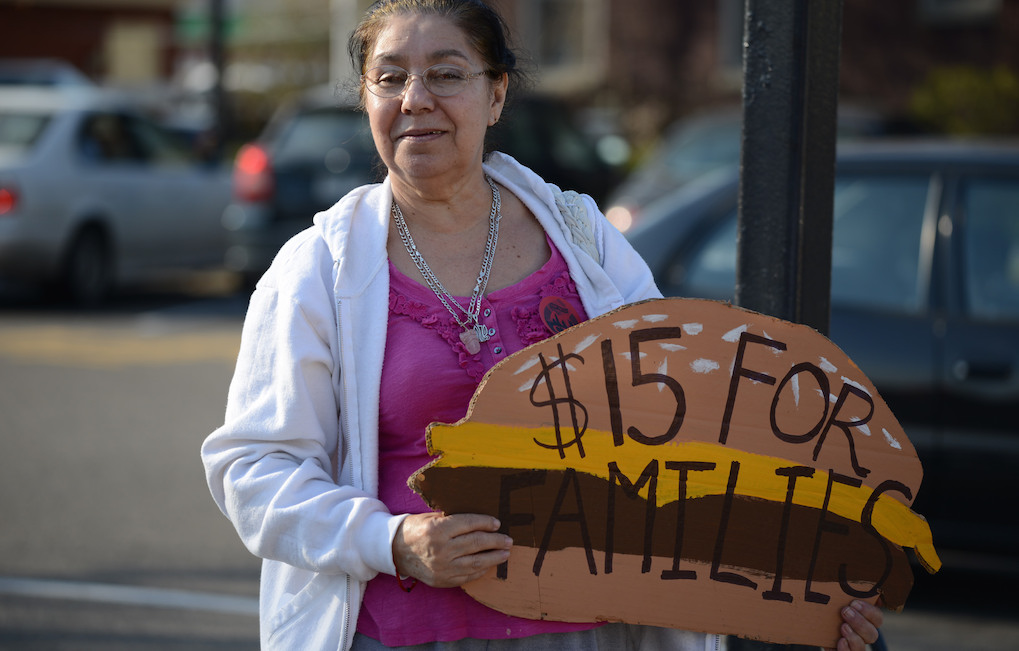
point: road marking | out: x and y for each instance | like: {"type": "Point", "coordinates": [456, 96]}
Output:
{"type": "Point", "coordinates": [129, 595]}
{"type": "Point", "coordinates": [111, 347]}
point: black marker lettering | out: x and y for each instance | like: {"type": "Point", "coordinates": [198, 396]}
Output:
{"type": "Point", "coordinates": [793, 473]}
{"type": "Point", "coordinates": [738, 371]}
{"type": "Point", "coordinates": [845, 425]}
{"type": "Point", "coordinates": [637, 337]}
{"type": "Point", "coordinates": [507, 517]}
{"type": "Point", "coordinates": [822, 526]}
{"type": "Point", "coordinates": [823, 386]}
{"type": "Point", "coordinates": [612, 391]}
{"type": "Point", "coordinates": [569, 477]}
{"type": "Point", "coordinates": [684, 468]}
{"type": "Point", "coordinates": [716, 574]}
{"type": "Point", "coordinates": [865, 520]}
{"type": "Point", "coordinates": [648, 477]}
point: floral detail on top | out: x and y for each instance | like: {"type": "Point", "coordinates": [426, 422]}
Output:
{"type": "Point", "coordinates": [446, 326]}
{"type": "Point", "coordinates": [531, 328]}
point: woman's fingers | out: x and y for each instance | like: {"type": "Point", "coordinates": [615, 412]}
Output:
{"type": "Point", "coordinates": [446, 551]}
{"type": "Point", "coordinates": [861, 622]}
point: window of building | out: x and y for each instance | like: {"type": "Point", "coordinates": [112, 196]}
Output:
{"type": "Point", "coordinates": [567, 40]}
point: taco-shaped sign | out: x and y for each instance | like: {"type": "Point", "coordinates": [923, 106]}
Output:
{"type": "Point", "coordinates": [688, 464]}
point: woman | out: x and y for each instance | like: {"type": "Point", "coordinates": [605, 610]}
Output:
{"type": "Point", "coordinates": [382, 318]}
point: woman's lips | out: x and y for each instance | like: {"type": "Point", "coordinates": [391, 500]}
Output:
{"type": "Point", "coordinates": [421, 135]}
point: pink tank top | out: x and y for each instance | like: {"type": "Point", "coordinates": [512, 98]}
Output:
{"type": "Point", "coordinates": [429, 376]}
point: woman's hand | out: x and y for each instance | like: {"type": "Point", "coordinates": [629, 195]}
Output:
{"type": "Point", "coordinates": [860, 624]}
{"type": "Point", "coordinates": [445, 551]}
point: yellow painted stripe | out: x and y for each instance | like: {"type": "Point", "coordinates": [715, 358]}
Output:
{"type": "Point", "coordinates": [757, 479]}
{"type": "Point", "coordinates": [116, 347]}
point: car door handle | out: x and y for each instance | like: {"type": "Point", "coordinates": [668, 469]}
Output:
{"type": "Point", "coordinates": [968, 370]}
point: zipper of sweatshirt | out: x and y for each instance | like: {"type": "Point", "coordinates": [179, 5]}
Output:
{"type": "Point", "coordinates": [713, 642]}
{"type": "Point", "coordinates": [346, 629]}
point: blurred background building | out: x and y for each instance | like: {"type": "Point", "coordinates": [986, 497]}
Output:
{"type": "Point", "coordinates": [119, 41]}
{"type": "Point", "coordinates": [633, 66]}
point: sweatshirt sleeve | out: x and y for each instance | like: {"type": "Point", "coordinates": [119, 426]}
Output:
{"type": "Point", "coordinates": [273, 465]}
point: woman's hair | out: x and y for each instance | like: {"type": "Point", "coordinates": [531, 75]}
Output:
{"type": "Point", "coordinates": [483, 26]}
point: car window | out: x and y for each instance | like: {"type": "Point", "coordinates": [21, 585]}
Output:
{"type": "Point", "coordinates": [156, 146]}
{"type": "Point", "coordinates": [104, 138]}
{"type": "Point", "coordinates": [313, 137]}
{"type": "Point", "coordinates": [991, 247]}
{"type": "Point", "coordinates": [544, 135]}
{"type": "Point", "coordinates": [876, 246]}
{"type": "Point", "coordinates": [876, 242]}
{"type": "Point", "coordinates": [712, 269]}
{"type": "Point", "coordinates": [696, 151]}
{"type": "Point", "coordinates": [116, 138]}
{"type": "Point", "coordinates": [19, 131]}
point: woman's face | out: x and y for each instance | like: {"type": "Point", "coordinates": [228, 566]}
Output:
{"type": "Point", "coordinates": [420, 136]}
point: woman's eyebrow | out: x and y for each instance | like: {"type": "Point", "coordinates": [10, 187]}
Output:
{"type": "Point", "coordinates": [445, 54]}
{"type": "Point", "coordinates": [438, 55]}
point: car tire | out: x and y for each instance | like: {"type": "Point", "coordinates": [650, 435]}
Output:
{"type": "Point", "coordinates": [87, 276]}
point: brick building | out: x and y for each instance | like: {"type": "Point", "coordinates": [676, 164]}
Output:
{"type": "Point", "coordinates": [117, 41]}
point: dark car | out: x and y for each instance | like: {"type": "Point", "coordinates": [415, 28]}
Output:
{"type": "Point", "coordinates": [925, 299]}
{"type": "Point", "coordinates": [311, 153]}
{"type": "Point", "coordinates": [543, 134]}
{"type": "Point", "coordinates": [319, 148]}
{"type": "Point", "coordinates": [709, 143]}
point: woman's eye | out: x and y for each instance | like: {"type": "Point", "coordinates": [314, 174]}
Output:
{"type": "Point", "coordinates": [392, 79]}
{"type": "Point", "coordinates": [447, 74]}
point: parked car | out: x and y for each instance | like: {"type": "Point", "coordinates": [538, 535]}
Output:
{"type": "Point", "coordinates": [706, 144]}
{"type": "Point", "coordinates": [40, 72]}
{"type": "Point", "coordinates": [311, 153]}
{"type": "Point", "coordinates": [925, 299]}
{"type": "Point", "coordinates": [316, 149]}
{"type": "Point", "coordinates": [93, 194]}
{"type": "Point", "coordinates": [544, 134]}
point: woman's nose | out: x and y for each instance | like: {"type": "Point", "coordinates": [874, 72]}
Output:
{"type": "Point", "coordinates": [416, 95]}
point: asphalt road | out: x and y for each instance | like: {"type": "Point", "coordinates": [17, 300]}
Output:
{"type": "Point", "coordinates": [108, 537]}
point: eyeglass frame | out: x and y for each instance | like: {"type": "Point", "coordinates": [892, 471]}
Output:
{"type": "Point", "coordinates": [369, 85]}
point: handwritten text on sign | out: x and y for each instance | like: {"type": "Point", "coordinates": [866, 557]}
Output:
{"type": "Point", "coordinates": [686, 452]}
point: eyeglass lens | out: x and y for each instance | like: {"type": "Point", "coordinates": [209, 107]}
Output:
{"type": "Point", "coordinates": [442, 80]}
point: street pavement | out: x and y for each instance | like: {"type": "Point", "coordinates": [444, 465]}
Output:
{"type": "Point", "coordinates": [109, 539]}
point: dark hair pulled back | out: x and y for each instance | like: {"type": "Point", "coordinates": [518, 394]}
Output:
{"type": "Point", "coordinates": [483, 26]}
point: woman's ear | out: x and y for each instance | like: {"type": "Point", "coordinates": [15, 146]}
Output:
{"type": "Point", "coordinates": [499, 88]}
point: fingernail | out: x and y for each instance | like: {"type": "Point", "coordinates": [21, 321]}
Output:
{"type": "Point", "coordinates": [498, 525]}
{"type": "Point", "coordinates": [858, 605]}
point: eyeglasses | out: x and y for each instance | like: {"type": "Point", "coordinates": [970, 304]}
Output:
{"type": "Point", "coordinates": [443, 80]}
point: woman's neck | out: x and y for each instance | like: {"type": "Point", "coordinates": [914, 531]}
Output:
{"type": "Point", "coordinates": [441, 207]}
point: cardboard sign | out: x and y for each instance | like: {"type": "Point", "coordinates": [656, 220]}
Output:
{"type": "Point", "coordinates": [689, 464]}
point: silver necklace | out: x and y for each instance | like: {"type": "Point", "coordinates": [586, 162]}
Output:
{"type": "Point", "coordinates": [474, 332]}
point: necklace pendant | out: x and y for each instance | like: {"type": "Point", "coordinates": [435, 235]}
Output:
{"type": "Point", "coordinates": [471, 341]}
{"type": "Point", "coordinates": [483, 333]}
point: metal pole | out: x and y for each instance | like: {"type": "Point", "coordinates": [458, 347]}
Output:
{"type": "Point", "coordinates": [217, 56]}
{"type": "Point", "coordinates": [790, 98]}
